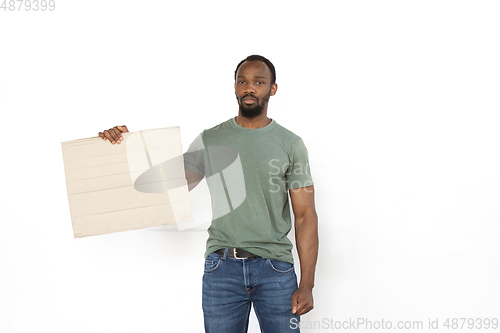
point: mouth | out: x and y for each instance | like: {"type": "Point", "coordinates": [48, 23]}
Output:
{"type": "Point", "coordinates": [249, 100]}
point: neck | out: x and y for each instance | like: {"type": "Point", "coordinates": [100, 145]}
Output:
{"type": "Point", "coordinates": [257, 122]}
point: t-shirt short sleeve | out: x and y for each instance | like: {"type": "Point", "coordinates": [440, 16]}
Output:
{"type": "Point", "coordinates": [194, 157]}
{"type": "Point", "coordinates": [299, 173]}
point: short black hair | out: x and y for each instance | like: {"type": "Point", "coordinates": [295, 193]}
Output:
{"type": "Point", "coordinates": [256, 57]}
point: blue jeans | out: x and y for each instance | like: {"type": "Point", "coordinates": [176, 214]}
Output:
{"type": "Point", "coordinates": [231, 285]}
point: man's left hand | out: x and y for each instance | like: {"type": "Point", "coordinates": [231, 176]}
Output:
{"type": "Point", "coordinates": [302, 301]}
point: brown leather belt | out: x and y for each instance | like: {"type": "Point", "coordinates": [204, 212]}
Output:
{"type": "Point", "coordinates": [237, 253]}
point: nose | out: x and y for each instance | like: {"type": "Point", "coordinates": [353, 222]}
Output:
{"type": "Point", "coordinates": [249, 88]}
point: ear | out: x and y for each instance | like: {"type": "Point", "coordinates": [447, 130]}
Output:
{"type": "Point", "coordinates": [274, 89]}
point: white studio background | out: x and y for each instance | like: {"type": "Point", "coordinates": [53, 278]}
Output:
{"type": "Point", "coordinates": [397, 101]}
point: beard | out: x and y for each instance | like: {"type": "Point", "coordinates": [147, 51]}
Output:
{"type": "Point", "coordinates": [255, 110]}
{"type": "Point", "coordinates": [251, 112]}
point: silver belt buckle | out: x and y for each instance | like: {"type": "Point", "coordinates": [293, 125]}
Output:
{"type": "Point", "coordinates": [235, 256]}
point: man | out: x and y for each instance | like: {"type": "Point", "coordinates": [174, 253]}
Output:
{"type": "Point", "coordinates": [252, 164]}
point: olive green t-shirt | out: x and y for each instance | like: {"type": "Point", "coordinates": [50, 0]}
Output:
{"type": "Point", "coordinates": [249, 173]}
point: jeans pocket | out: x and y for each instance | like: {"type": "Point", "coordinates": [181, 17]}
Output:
{"type": "Point", "coordinates": [212, 263]}
{"type": "Point", "coordinates": [280, 266]}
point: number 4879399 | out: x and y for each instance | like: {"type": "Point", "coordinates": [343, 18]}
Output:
{"type": "Point", "coordinates": [28, 5]}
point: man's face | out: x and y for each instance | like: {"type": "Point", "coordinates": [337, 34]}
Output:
{"type": "Point", "coordinates": [253, 88]}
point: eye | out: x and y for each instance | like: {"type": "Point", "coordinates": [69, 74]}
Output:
{"type": "Point", "coordinates": [241, 82]}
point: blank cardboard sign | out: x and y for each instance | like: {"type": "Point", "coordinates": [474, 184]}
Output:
{"type": "Point", "coordinates": [137, 184]}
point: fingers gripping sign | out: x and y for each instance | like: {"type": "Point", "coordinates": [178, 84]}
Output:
{"type": "Point", "coordinates": [114, 135]}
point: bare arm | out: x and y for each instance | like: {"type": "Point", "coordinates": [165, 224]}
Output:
{"type": "Point", "coordinates": [192, 178]}
{"type": "Point", "coordinates": [306, 238]}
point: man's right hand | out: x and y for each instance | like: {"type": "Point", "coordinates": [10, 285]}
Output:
{"type": "Point", "coordinates": [114, 135]}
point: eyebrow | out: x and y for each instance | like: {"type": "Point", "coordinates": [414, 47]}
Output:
{"type": "Point", "coordinates": [257, 77]}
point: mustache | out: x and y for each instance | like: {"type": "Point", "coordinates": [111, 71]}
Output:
{"type": "Point", "coordinates": [249, 95]}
